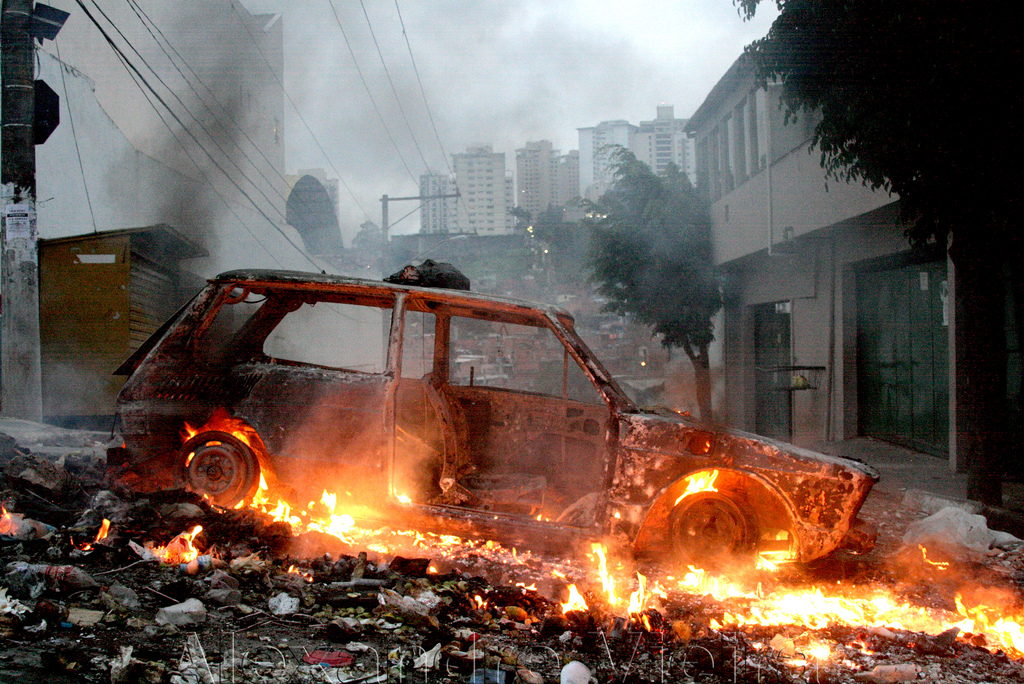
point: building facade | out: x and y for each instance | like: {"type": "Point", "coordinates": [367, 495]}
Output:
{"type": "Point", "coordinates": [664, 141]}
{"type": "Point", "coordinates": [567, 179]}
{"type": "Point", "coordinates": [438, 215]}
{"type": "Point", "coordinates": [545, 177]}
{"type": "Point", "coordinates": [112, 169]}
{"type": "Point", "coordinates": [595, 172]}
{"type": "Point", "coordinates": [486, 193]}
{"type": "Point", "coordinates": [833, 327]}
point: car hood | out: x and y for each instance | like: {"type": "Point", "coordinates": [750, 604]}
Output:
{"type": "Point", "coordinates": [673, 434]}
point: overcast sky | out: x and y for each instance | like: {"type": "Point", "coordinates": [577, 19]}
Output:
{"type": "Point", "coordinates": [499, 72]}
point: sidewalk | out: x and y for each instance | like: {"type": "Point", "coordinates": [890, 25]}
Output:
{"type": "Point", "coordinates": [925, 482]}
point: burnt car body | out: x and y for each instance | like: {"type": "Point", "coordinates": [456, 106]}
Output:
{"type": "Point", "coordinates": [460, 412]}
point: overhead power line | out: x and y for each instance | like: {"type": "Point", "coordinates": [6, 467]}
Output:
{"type": "Point", "coordinates": [423, 92]}
{"type": "Point", "coordinates": [369, 93]}
{"type": "Point", "coordinates": [196, 119]}
{"type": "Point", "coordinates": [136, 74]}
{"type": "Point", "coordinates": [394, 90]}
{"type": "Point", "coordinates": [148, 23]}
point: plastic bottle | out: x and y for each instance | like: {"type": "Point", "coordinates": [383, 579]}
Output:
{"type": "Point", "coordinates": [66, 577]}
{"type": "Point", "coordinates": [28, 579]}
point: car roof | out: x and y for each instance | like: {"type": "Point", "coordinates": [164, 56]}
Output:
{"type": "Point", "coordinates": [273, 276]}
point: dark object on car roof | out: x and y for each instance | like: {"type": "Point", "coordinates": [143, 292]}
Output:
{"type": "Point", "coordinates": [430, 274]}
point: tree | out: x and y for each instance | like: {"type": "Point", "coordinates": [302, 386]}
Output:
{"type": "Point", "coordinates": [914, 98]}
{"type": "Point", "coordinates": [566, 240]}
{"type": "Point", "coordinates": [651, 257]}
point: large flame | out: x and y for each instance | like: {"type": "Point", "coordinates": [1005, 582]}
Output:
{"type": "Point", "coordinates": [575, 602]}
{"type": "Point", "coordinates": [807, 607]}
{"type": "Point", "coordinates": [699, 482]}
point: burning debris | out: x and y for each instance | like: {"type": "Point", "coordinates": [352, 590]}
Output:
{"type": "Point", "coordinates": [172, 587]}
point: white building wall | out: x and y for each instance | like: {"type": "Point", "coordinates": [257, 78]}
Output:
{"type": "Point", "coordinates": [91, 178]}
{"type": "Point", "coordinates": [595, 172]}
{"type": "Point", "coordinates": [438, 215]}
{"type": "Point", "coordinates": [486, 189]}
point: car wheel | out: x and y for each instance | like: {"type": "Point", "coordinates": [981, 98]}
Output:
{"type": "Point", "coordinates": [220, 466]}
{"type": "Point", "coordinates": [711, 529]}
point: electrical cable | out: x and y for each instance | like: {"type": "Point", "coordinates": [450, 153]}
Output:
{"type": "Point", "coordinates": [150, 25]}
{"type": "Point", "coordinates": [394, 90]}
{"type": "Point", "coordinates": [147, 23]}
{"type": "Point", "coordinates": [423, 92]}
{"type": "Point", "coordinates": [202, 126]}
{"type": "Point", "coordinates": [309, 130]}
{"type": "Point", "coordinates": [133, 69]}
{"type": "Point", "coordinates": [366, 87]}
{"type": "Point", "coordinates": [201, 172]}
{"type": "Point", "coordinates": [74, 136]}
{"type": "Point", "coordinates": [406, 215]}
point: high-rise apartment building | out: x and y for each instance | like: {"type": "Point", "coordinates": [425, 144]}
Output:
{"type": "Point", "coordinates": [595, 170]}
{"type": "Point", "coordinates": [663, 141]}
{"type": "Point", "coordinates": [438, 215]}
{"type": "Point", "coordinates": [545, 177]}
{"type": "Point", "coordinates": [486, 192]}
{"type": "Point", "coordinates": [567, 178]}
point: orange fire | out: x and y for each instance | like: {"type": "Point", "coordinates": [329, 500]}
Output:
{"type": "Point", "coordinates": [607, 581]}
{"type": "Point", "coordinates": [8, 523]}
{"type": "Point", "coordinates": [575, 602]}
{"type": "Point", "coordinates": [941, 565]}
{"type": "Point", "coordinates": [699, 482]}
{"type": "Point", "coordinates": [102, 534]}
{"type": "Point", "coordinates": [179, 549]}
{"type": "Point", "coordinates": [294, 570]}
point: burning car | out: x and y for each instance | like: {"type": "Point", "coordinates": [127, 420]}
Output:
{"type": "Point", "coordinates": [461, 412]}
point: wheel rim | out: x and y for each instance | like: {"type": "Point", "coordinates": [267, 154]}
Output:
{"type": "Point", "coordinates": [220, 466]}
{"type": "Point", "coordinates": [710, 528]}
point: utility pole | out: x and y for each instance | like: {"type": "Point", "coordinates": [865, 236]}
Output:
{"type": "Point", "coordinates": [20, 355]}
{"type": "Point", "coordinates": [384, 220]}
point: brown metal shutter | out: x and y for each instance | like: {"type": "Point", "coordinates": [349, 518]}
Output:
{"type": "Point", "coordinates": [152, 297]}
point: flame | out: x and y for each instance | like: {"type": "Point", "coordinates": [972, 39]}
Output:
{"type": "Point", "coordinates": [699, 482]}
{"type": "Point", "coordinates": [479, 602]}
{"type": "Point", "coordinates": [101, 534]}
{"type": "Point", "coordinates": [8, 522]}
{"type": "Point", "coordinates": [812, 608]}
{"type": "Point", "coordinates": [293, 570]}
{"type": "Point", "coordinates": [403, 498]}
{"type": "Point", "coordinates": [941, 565]}
{"type": "Point", "coordinates": [179, 549]}
{"type": "Point", "coordinates": [638, 599]}
{"type": "Point", "coordinates": [607, 582]}
{"type": "Point", "coordinates": [575, 602]}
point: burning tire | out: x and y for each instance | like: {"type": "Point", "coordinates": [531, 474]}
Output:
{"type": "Point", "coordinates": [220, 466]}
{"type": "Point", "coordinates": [711, 529]}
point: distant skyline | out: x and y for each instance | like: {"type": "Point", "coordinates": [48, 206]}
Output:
{"type": "Point", "coordinates": [496, 72]}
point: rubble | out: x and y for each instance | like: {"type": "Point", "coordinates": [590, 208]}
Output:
{"type": "Point", "coordinates": [118, 612]}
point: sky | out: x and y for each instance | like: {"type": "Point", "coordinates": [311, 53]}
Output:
{"type": "Point", "coordinates": [497, 72]}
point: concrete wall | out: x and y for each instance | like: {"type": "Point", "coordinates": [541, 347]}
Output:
{"type": "Point", "coordinates": [218, 67]}
{"type": "Point", "coordinates": [803, 276]}
{"type": "Point", "coordinates": [90, 177]}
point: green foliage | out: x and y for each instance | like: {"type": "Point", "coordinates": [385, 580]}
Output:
{"type": "Point", "coordinates": [567, 242]}
{"type": "Point", "coordinates": [915, 97]}
{"type": "Point", "coordinates": [651, 253]}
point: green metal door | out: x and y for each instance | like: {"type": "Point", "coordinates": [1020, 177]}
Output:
{"type": "Point", "coordinates": [902, 356]}
{"type": "Point", "coordinates": [772, 352]}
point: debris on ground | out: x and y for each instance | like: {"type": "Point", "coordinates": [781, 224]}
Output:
{"type": "Point", "coordinates": [169, 588]}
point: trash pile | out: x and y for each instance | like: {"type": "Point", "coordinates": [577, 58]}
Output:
{"type": "Point", "coordinates": [101, 585]}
